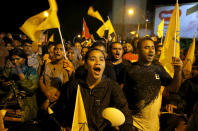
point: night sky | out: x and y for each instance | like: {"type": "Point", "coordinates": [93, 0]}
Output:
{"type": "Point", "coordinates": [15, 12]}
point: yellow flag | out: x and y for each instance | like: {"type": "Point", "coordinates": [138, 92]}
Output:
{"type": "Point", "coordinates": [171, 45]}
{"type": "Point", "coordinates": [95, 14]}
{"type": "Point", "coordinates": [160, 30]}
{"type": "Point", "coordinates": [51, 39]}
{"type": "Point", "coordinates": [106, 26]}
{"type": "Point", "coordinates": [189, 59]}
{"type": "Point", "coordinates": [89, 43]}
{"type": "Point", "coordinates": [34, 26]}
{"type": "Point", "coordinates": [51, 20]}
{"type": "Point", "coordinates": [30, 27]}
{"type": "Point", "coordinates": [79, 119]}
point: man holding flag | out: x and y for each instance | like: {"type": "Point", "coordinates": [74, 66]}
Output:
{"type": "Point", "coordinates": [144, 83]}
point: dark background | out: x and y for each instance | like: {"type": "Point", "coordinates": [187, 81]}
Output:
{"type": "Point", "coordinates": [13, 13]}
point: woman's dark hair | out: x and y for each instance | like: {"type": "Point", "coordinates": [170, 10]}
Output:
{"type": "Point", "coordinates": [19, 52]}
{"type": "Point", "coordinates": [98, 43]}
{"type": "Point", "coordinates": [90, 50]}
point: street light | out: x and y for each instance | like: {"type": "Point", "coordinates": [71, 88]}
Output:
{"type": "Point", "coordinates": [130, 11]}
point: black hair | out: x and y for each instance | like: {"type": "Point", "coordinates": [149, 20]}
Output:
{"type": "Point", "coordinates": [7, 40]}
{"type": "Point", "coordinates": [98, 43]}
{"type": "Point", "coordinates": [19, 52]}
{"type": "Point", "coordinates": [141, 40]}
{"type": "Point", "coordinates": [90, 50]}
{"type": "Point", "coordinates": [27, 41]}
{"type": "Point", "coordinates": [114, 43]}
{"type": "Point", "coordinates": [171, 121]}
{"type": "Point", "coordinates": [50, 44]}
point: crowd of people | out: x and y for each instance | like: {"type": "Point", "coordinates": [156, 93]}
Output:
{"type": "Point", "coordinates": [39, 82]}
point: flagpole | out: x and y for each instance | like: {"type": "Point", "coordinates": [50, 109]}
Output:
{"type": "Point", "coordinates": [138, 29]}
{"type": "Point", "coordinates": [146, 29]}
{"type": "Point", "coordinates": [162, 40]}
{"type": "Point", "coordinates": [62, 42]}
{"type": "Point", "coordinates": [175, 29]}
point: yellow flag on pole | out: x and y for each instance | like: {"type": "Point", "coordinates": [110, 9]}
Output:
{"type": "Point", "coordinates": [79, 119]}
{"type": "Point", "coordinates": [51, 39]}
{"type": "Point", "coordinates": [51, 20]}
{"type": "Point", "coordinates": [30, 27]}
{"type": "Point", "coordinates": [95, 14]}
{"type": "Point", "coordinates": [189, 59]}
{"type": "Point", "coordinates": [160, 30]}
{"type": "Point", "coordinates": [171, 45]}
{"type": "Point", "coordinates": [34, 26]}
{"type": "Point", "coordinates": [106, 26]}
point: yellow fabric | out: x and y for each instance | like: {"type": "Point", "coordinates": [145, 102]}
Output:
{"type": "Point", "coordinates": [33, 26]}
{"type": "Point", "coordinates": [52, 20]}
{"type": "Point", "coordinates": [79, 119]}
{"type": "Point", "coordinates": [95, 14]}
{"type": "Point", "coordinates": [189, 59]}
{"type": "Point", "coordinates": [30, 27]}
{"type": "Point", "coordinates": [148, 119]}
{"type": "Point", "coordinates": [105, 26]}
{"type": "Point", "coordinates": [89, 43]}
{"type": "Point", "coordinates": [168, 50]}
{"type": "Point", "coordinates": [160, 30]}
{"type": "Point", "coordinates": [51, 39]}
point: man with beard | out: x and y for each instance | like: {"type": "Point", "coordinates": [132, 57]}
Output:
{"type": "Point", "coordinates": [143, 86]}
{"type": "Point", "coordinates": [119, 64]}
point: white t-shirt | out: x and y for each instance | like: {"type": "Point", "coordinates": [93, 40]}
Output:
{"type": "Point", "coordinates": [148, 118]}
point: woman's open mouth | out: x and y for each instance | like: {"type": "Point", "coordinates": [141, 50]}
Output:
{"type": "Point", "coordinates": [97, 70]}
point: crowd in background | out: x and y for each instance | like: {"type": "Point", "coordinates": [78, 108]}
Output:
{"type": "Point", "coordinates": [32, 77]}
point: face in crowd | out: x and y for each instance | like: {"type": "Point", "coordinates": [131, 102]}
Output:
{"type": "Point", "coordinates": [17, 60]}
{"type": "Point", "coordinates": [95, 64]}
{"type": "Point", "coordinates": [158, 50]}
{"type": "Point", "coordinates": [28, 48]}
{"type": "Point", "coordinates": [146, 51]}
{"type": "Point", "coordinates": [116, 51]}
{"type": "Point", "coordinates": [84, 51]}
{"type": "Point", "coordinates": [128, 47]}
{"type": "Point", "coordinates": [70, 54]}
{"type": "Point", "coordinates": [78, 45]}
{"type": "Point", "coordinates": [59, 52]}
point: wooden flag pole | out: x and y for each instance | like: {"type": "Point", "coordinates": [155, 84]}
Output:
{"type": "Point", "coordinates": [146, 29]}
{"type": "Point", "coordinates": [62, 42]}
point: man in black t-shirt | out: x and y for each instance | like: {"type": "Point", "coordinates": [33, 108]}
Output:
{"type": "Point", "coordinates": [144, 83]}
{"type": "Point", "coordinates": [119, 64]}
